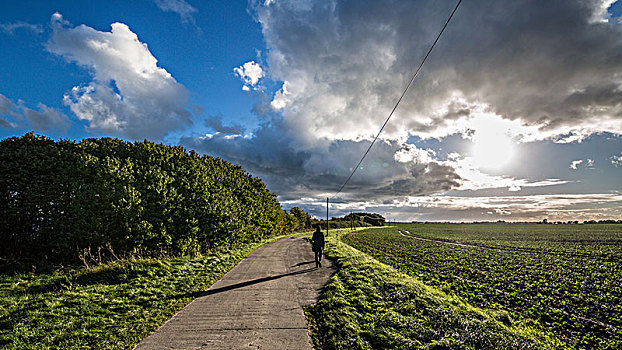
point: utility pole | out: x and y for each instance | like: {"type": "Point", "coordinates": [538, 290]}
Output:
{"type": "Point", "coordinates": [326, 216]}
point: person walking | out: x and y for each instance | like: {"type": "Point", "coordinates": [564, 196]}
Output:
{"type": "Point", "coordinates": [317, 244]}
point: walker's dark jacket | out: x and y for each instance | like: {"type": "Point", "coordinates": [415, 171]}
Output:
{"type": "Point", "coordinates": [318, 241]}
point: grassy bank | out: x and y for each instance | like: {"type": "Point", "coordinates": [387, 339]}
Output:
{"type": "Point", "coordinates": [111, 306]}
{"type": "Point", "coordinates": [369, 305]}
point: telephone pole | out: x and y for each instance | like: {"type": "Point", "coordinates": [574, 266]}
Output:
{"type": "Point", "coordinates": [326, 216]}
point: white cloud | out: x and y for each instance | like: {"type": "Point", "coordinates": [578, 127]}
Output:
{"type": "Point", "coordinates": [575, 163]}
{"type": "Point", "coordinates": [410, 153]}
{"type": "Point", "coordinates": [502, 212]}
{"type": "Point", "coordinates": [514, 188]}
{"type": "Point", "coordinates": [129, 94]}
{"type": "Point", "coordinates": [182, 8]}
{"type": "Point", "coordinates": [616, 160]}
{"type": "Point", "coordinates": [10, 28]}
{"type": "Point", "coordinates": [589, 163]}
{"type": "Point", "coordinates": [600, 13]}
{"type": "Point", "coordinates": [250, 73]}
{"type": "Point", "coordinates": [346, 62]}
{"type": "Point", "coordinates": [280, 99]}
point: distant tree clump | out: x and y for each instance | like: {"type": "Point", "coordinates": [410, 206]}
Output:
{"type": "Point", "coordinates": [297, 219]}
{"type": "Point", "coordinates": [59, 199]}
{"type": "Point", "coordinates": [371, 218]}
{"type": "Point", "coordinates": [353, 220]}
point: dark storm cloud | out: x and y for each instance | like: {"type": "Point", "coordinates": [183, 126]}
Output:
{"type": "Point", "coordinates": [267, 154]}
{"type": "Point", "coordinates": [293, 173]}
{"type": "Point", "coordinates": [555, 64]}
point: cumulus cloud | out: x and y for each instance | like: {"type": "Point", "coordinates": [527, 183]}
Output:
{"type": "Point", "coordinates": [553, 66]}
{"type": "Point", "coordinates": [410, 153]}
{"type": "Point", "coordinates": [129, 94]}
{"type": "Point", "coordinates": [182, 8]}
{"type": "Point", "coordinates": [45, 118]}
{"type": "Point", "coordinates": [616, 160]}
{"type": "Point", "coordinates": [575, 163]}
{"type": "Point", "coordinates": [250, 73]}
{"type": "Point", "coordinates": [589, 163]}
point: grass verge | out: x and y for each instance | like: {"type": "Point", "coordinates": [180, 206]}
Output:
{"type": "Point", "coordinates": [110, 306]}
{"type": "Point", "coordinates": [370, 305]}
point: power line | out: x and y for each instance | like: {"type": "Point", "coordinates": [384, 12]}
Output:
{"type": "Point", "coordinates": [400, 99]}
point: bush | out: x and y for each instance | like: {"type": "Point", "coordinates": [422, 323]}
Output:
{"type": "Point", "coordinates": [58, 199]}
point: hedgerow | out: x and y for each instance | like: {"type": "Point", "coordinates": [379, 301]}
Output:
{"type": "Point", "coordinates": [65, 201]}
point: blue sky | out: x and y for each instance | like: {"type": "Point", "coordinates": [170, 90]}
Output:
{"type": "Point", "coordinates": [217, 37]}
{"type": "Point", "coordinates": [516, 118]}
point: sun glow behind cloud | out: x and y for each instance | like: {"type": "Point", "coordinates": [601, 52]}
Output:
{"type": "Point", "coordinates": [493, 146]}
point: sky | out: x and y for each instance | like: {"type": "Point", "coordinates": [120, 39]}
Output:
{"type": "Point", "coordinates": [516, 115]}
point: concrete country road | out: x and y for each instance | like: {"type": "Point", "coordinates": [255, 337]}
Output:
{"type": "Point", "coordinates": [257, 305]}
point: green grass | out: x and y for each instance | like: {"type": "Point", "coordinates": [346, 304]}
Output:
{"type": "Point", "coordinates": [370, 305]}
{"type": "Point", "coordinates": [111, 306]}
{"type": "Point", "coordinates": [565, 277]}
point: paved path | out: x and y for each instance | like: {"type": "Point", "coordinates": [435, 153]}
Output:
{"type": "Point", "coordinates": [256, 305]}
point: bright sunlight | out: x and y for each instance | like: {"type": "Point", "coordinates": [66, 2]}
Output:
{"type": "Point", "coordinates": [493, 147]}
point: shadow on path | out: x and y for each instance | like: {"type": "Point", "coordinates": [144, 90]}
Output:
{"type": "Point", "coordinates": [303, 263]}
{"type": "Point", "coordinates": [255, 281]}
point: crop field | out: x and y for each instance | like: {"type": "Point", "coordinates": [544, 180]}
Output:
{"type": "Point", "coordinates": [566, 278]}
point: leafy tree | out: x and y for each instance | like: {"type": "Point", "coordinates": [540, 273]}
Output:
{"type": "Point", "coordinates": [304, 219]}
{"type": "Point", "coordinates": [59, 198]}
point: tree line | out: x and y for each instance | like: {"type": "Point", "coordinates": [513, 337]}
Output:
{"type": "Point", "coordinates": [60, 199]}
{"type": "Point", "coordinates": [353, 220]}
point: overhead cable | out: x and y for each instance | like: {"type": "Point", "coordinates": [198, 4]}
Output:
{"type": "Point", "coordinates": [400, 99]}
